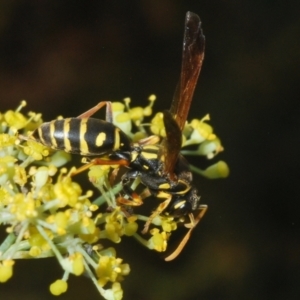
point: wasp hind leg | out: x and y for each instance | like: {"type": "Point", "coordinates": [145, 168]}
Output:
{"type": "Point", "coordinates": [102, 162]}
{"type": "Point", "coordinates": [90, 112]}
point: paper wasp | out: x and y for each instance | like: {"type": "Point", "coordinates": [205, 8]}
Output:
{"type": "Point", "coordinates": [160, 167]}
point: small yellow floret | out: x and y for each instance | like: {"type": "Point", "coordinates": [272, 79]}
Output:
{"type": "Point", "coordinates": [158, 241]}
{"type": "Point", "coordinates": [58, 287]}
{"type": "Point", "coordinates": [6, 270]}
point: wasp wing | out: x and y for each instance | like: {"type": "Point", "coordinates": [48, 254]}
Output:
{"type": "Point", "coordinates": [192, 58]}
{"type": "Point", "coordinates": [172, 143]}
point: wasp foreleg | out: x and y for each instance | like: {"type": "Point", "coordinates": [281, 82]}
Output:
{"type": "Point", "coordinates": [191, 225]}
{"type": "Point", "coordinates": [162, 206]}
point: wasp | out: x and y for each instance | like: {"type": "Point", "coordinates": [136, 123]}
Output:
{"type": "Point", "coordinates": [159, 166]}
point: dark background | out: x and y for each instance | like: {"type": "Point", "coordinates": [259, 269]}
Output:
{"type": "Point", "coordinates": [65, 56]}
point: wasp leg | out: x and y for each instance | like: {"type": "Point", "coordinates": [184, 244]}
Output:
{"type": "Point", "coordinates": [113, 175]}
{"type": "Point", "coordinates": [110, 162]}
{"type": "Point", "coordinates": [134, 198]}
{"type": "Point", "coordinates": [103, 162]}
{"type": "Point", "coordinates": [125, 211]}
{"type": "Point", "coordinates": [90, 112]}
{"type": "Point", "coordinates": [193, 224]}
{"type": "Point", "coordinates": [150, 140]}
{"type": "Point", "coordinates": [162, 206]}
{"type": "Point", "coordinates": [195, 221]}
{"type": "Point", "coordinates": [145, 193]}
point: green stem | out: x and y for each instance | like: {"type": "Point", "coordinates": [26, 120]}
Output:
{"type": "Point", "coordinates": [94, 279]}
{"type": "Point", "coordinates": [141, 240]}
{"type": "Point", "coordinates": [197, 170]}
{"type": "Point", "coordinates": [102, 199]}
{"type": "Point", "coordinates": [49, 241]}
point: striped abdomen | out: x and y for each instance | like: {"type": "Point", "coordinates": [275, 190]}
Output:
{"type": "Point", "coordinates": [87, 136]}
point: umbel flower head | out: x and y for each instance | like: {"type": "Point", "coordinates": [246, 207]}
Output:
{"type": "Point", "coordinates": [47, 213]}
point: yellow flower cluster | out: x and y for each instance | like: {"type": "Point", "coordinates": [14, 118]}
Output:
{"type": "Point", "coordinates": [46, 213]}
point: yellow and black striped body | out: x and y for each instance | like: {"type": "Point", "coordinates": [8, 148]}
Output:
{"type": "Point", "coordinates": [86, 136]}
{"type": "Point", "coordinates": [147, 158]}
{"type": "Point", "coordinates": [96, 137]}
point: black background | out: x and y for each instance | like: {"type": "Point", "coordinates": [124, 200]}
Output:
{"type": "Point", "coordinates": [65, 56]}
